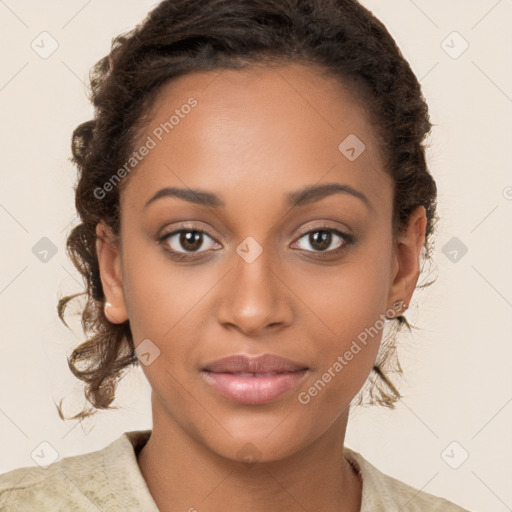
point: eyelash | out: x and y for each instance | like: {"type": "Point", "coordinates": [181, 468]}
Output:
{"type": "Point", "coordinates": [347, 241]}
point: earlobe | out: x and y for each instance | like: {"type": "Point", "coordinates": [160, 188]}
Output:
{"type": "Point", "coordinates": [109, 261]}
{"type": "Point", "coordinates": [408, 257]}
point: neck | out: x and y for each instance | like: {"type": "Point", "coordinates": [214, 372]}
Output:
{"type": "Point", "coordinates": [184, 474]}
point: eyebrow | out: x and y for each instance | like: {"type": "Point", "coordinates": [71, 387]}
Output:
{"type": "Point", "coordinates": [302, 197]}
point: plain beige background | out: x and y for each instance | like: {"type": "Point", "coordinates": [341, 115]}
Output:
{"type": "Point", "coordinates": [457, 386]}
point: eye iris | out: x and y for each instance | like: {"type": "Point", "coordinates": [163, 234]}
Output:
{"type": "Point", "coordinates": [189, 240]}
{"type": "Point", "coordinates": [324, 240]}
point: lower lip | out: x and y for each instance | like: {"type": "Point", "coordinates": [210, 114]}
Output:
{"type": "Point", "coordinates": [253, 390]}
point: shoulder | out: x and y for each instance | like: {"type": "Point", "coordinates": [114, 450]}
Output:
{"type": "Point", "coordinates": [77, 482]}
{"type": "Point", "coordinates": [382, 492]}
{"type": "Point", "coordinates": [76, 478]}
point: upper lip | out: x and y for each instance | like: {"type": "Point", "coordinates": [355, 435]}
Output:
{"type": "Point", "coordinates": [264, 363]}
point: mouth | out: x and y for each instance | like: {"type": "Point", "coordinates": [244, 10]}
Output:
{"type": "Point", "coordinates": [253, 380]}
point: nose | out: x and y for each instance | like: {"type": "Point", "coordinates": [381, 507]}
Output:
{"type": "Point", "coordinates": [255, 298]}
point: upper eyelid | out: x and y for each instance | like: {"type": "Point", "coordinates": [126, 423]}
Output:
{"type": "Point", "coordinates": [302, 232]}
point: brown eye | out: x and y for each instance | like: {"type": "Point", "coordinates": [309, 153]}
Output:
{"type": "Point", "coordinates": [325, 239]}
{"type": "Point", "coordinates": [320, 240]}
{"type": "Point", "coordinates": [184, 241]}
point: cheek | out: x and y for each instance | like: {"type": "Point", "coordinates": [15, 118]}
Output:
{"type": "Point", "coordinates": [343, 301]}
{"type": "Point", "coordinates": [346, 310]}
{"type": "Point", "coordinates": [345, 327]}
{"type": "Point", "coordinates": [158, 293]}
{"type": "Point", "coordinates": [167, 304]}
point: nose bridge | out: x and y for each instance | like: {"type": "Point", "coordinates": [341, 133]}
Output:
{"type": "Point", "coordinates": [254, 297]}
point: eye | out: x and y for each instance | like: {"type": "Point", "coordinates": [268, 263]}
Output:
{"type": "Point", "coordinates": [321, 240]}
{"type": "Point", "coordinates": [186, 240]}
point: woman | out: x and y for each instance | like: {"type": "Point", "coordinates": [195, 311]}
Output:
{"type": "Point", "coordinates": [255, 202]}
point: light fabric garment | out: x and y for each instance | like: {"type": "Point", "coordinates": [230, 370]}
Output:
{"type": "Point", "coordinates": [109, 480]}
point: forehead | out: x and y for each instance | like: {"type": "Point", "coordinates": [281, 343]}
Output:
{"type": "Point", "coordinates": [258, 131]}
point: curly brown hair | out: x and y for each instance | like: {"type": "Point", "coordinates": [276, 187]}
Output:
{"type": "Point", "coordinates": [340, 37]}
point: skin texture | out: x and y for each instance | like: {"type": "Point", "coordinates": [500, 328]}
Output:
{"type": "Point", "coordinates": [254, 136]}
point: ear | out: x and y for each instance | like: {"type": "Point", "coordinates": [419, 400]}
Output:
{"type": "Point", "coordinates": [407, 260]}
{"type": "Point", "coordinates": [109, 261]}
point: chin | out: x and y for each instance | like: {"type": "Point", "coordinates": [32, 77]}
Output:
{"type": "Point", "coordinates": [261, 438]}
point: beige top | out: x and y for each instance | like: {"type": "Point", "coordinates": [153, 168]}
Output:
{"type": "Point", "coordinates": [109, 480]}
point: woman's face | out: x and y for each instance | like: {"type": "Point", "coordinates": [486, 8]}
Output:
{"type": "Point", "coordinates": [305, 281]}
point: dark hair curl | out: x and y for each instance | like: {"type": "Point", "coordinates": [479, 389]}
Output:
{"type": "Point", "coordinates": [340, 37]}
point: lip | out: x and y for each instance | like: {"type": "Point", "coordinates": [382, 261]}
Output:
{"type": "Point", "coordinates": [253, 379]}
{"type": "Point", "coordinates": [264, 363]}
